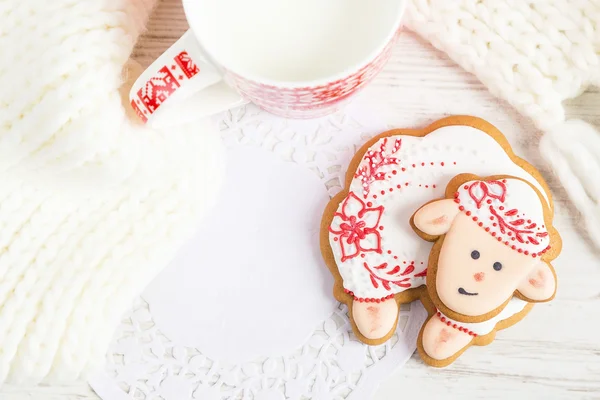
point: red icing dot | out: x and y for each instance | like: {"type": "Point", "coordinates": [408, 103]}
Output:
{"type": "Point", "coordinates": [513, 247]}
{"type": "Point", "coordinates": [383, 192]}
{"type": "Point", "coordinates": [406, 184]}
{"type": "Point", "coordinates": [475, 218]}
{"type": "Point", "coordinates": [528, 221]}
{"type": "Point", "coordinates": [432, 163]}
{"type": "Point", "coordinates": [391, 189]}
{"type": "Point", "coordinates": [526, 253]}
{"type": "Point", "coordinates": [369, 204]}
{"type": "Point", "coordinates": [503, 180]}
{"type": "Point", "coordinates": [335, 239]}
{"type": "Point", "coordinates": [489, 201]}
{"type": "Point", "coordinates": [509, 233]}
{"type": "Point", "coordinates": [403, 262]}
{"type": "Point", "coordinates": [491, 218]}
{"type": "Point", "coordinates": [501, 208]}
{"type": "Point", "coordinates": [468, 213]}
{"type": "Point", "coordinates": [461, 208]}
{"type": "Point", "coordinates": [456, 201]}
{"type": "Point", "coordinates": [395, 257]}
{"type": "Point", "coordinates": [454, 162]}
{"type": "Point", "coordinates": [534, 255]}
{"type": "Point", "coordinates": [374, 196]}
{"type": "Point", "coordinates": [381, 228]}
{"type": "Point", "coordinates": [499, 239]}
{"type": "Point", "coordinates": [487, 229]}
{"type": "Point", "coordinates": [520, 250]}
{"type": "Point", "coordinates": [414, 166]}
{"type": "Point", "coordinates": [403, 169]}
{"type": "Point", "coordinates": [494, 224]}
{"type": "Point", "coordinates": [389, 252]}
{"type": "Point", "coordinates": [493, 233]}
{"type": "Point", "coordinates": [455, 195]}
{"type": "Point", "coordinates": [442, 163]}
{"type": "Point", "coordinates": [433, 186]}
{"type": "Point", "coordinates": [480, 224]}
{"type": "Point", "coordinates": [362, 255]}
{"type": "Point", "coordinates": [394, 172]}
{"type": "Point", "coordinates": [398, 186]}
{"type": "Point", "coordinates": [466, 187]}
{"type": "Point", "coordinates": [426, 186]}
{"type": "Point", "coordinates": [506, 243]}
{"type": "Point", "coordinates": [422, 164]}
{"type": "Point", "coordinates": [419, 185]}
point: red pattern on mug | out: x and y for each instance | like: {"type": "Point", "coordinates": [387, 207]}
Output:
{"type": "Point", "coordinates": [163, 84]}
{"type": "Point", "coordinates": [138, 110]}
{"type": "Point", "coordinates": [158, 89]}
{"type": "Point", "coordinates": [185, 62]}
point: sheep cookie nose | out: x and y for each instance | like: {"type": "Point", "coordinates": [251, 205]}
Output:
{"type": "Point", "coordinates": [479, 276]}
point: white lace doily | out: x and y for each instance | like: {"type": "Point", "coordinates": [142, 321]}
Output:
{"type": "Point", "coordinates": [163, 350]}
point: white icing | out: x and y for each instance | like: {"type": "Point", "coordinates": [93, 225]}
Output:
{"type": "Point", "coordinates": [514, 306]}
{"type": "Point", "coordinates": [473, 151]}
{"type": "Point", "coordinates": [519, 196]}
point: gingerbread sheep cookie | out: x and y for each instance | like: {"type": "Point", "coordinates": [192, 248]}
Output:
{"type": "Point", "coordinates": [377, 261]}
{"type": "Point", "coordinates": [494, 241]}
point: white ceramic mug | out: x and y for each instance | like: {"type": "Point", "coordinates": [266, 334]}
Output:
{"type": "Point", "coordinates": [295, 58]}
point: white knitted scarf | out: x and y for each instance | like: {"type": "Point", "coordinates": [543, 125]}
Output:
{"type": "Point", "coordinates": [92, 204]}
{"type": "Point", "coordinates": [535, 54]}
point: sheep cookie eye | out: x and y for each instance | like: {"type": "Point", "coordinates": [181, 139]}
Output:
{"type": "Point", "coordinates": [497, 266]}
{"type": "Point", "coordinates": [475, 255]}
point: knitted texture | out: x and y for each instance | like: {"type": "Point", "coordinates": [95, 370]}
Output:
{"type": "Point", "coordinates": [92, 203]}
{"type": "Point", "coordinates": [534, 54]}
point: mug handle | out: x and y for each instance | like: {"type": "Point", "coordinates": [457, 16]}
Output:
{"type": "Point", "coordinates": [181, 86]}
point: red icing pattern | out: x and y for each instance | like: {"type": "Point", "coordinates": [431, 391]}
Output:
{"type": "Point", "coordinates": [368, 299]}
{"type": "Point", "coordinates": [486, 191]}
{"type": "Point", "coordinates": [422, 274]}
{"type": "Point", "coordinates": [391, 274]}
{"type": "Point", "coordinates": [386, 283]}
{"type": "Point", "coordinates": [376, 159]}
{"type": "Point", "coordinates": [353, 229]}
{"type": "Point", "coordinates": [455, 326]}
{"type": "Point", "coordinates": [517, 229]}
{"type": "Point", "coordinates": [514, 227]}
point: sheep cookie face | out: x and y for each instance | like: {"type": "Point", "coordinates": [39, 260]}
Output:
{"type": "Point", "coordinates": [494, 237]}
{"type": "Point", "coordinates": [477, 273]}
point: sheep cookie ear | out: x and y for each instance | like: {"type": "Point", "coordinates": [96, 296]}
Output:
{"type": "Point", "coordinates": [436, 218]}
{"type": "Point", "coordinates": [540, 284]}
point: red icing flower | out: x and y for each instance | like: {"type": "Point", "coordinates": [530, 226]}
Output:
{"type": "Point", "coordinates": [480, 190]}
{"type": "Point", "coordinates": [356, 227]}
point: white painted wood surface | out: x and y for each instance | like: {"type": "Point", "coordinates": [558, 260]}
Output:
{"type": "Point", "coordinates": [555, 351]}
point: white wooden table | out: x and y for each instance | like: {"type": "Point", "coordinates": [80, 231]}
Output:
{"type": "Point", "coordinates": [555, 351]}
